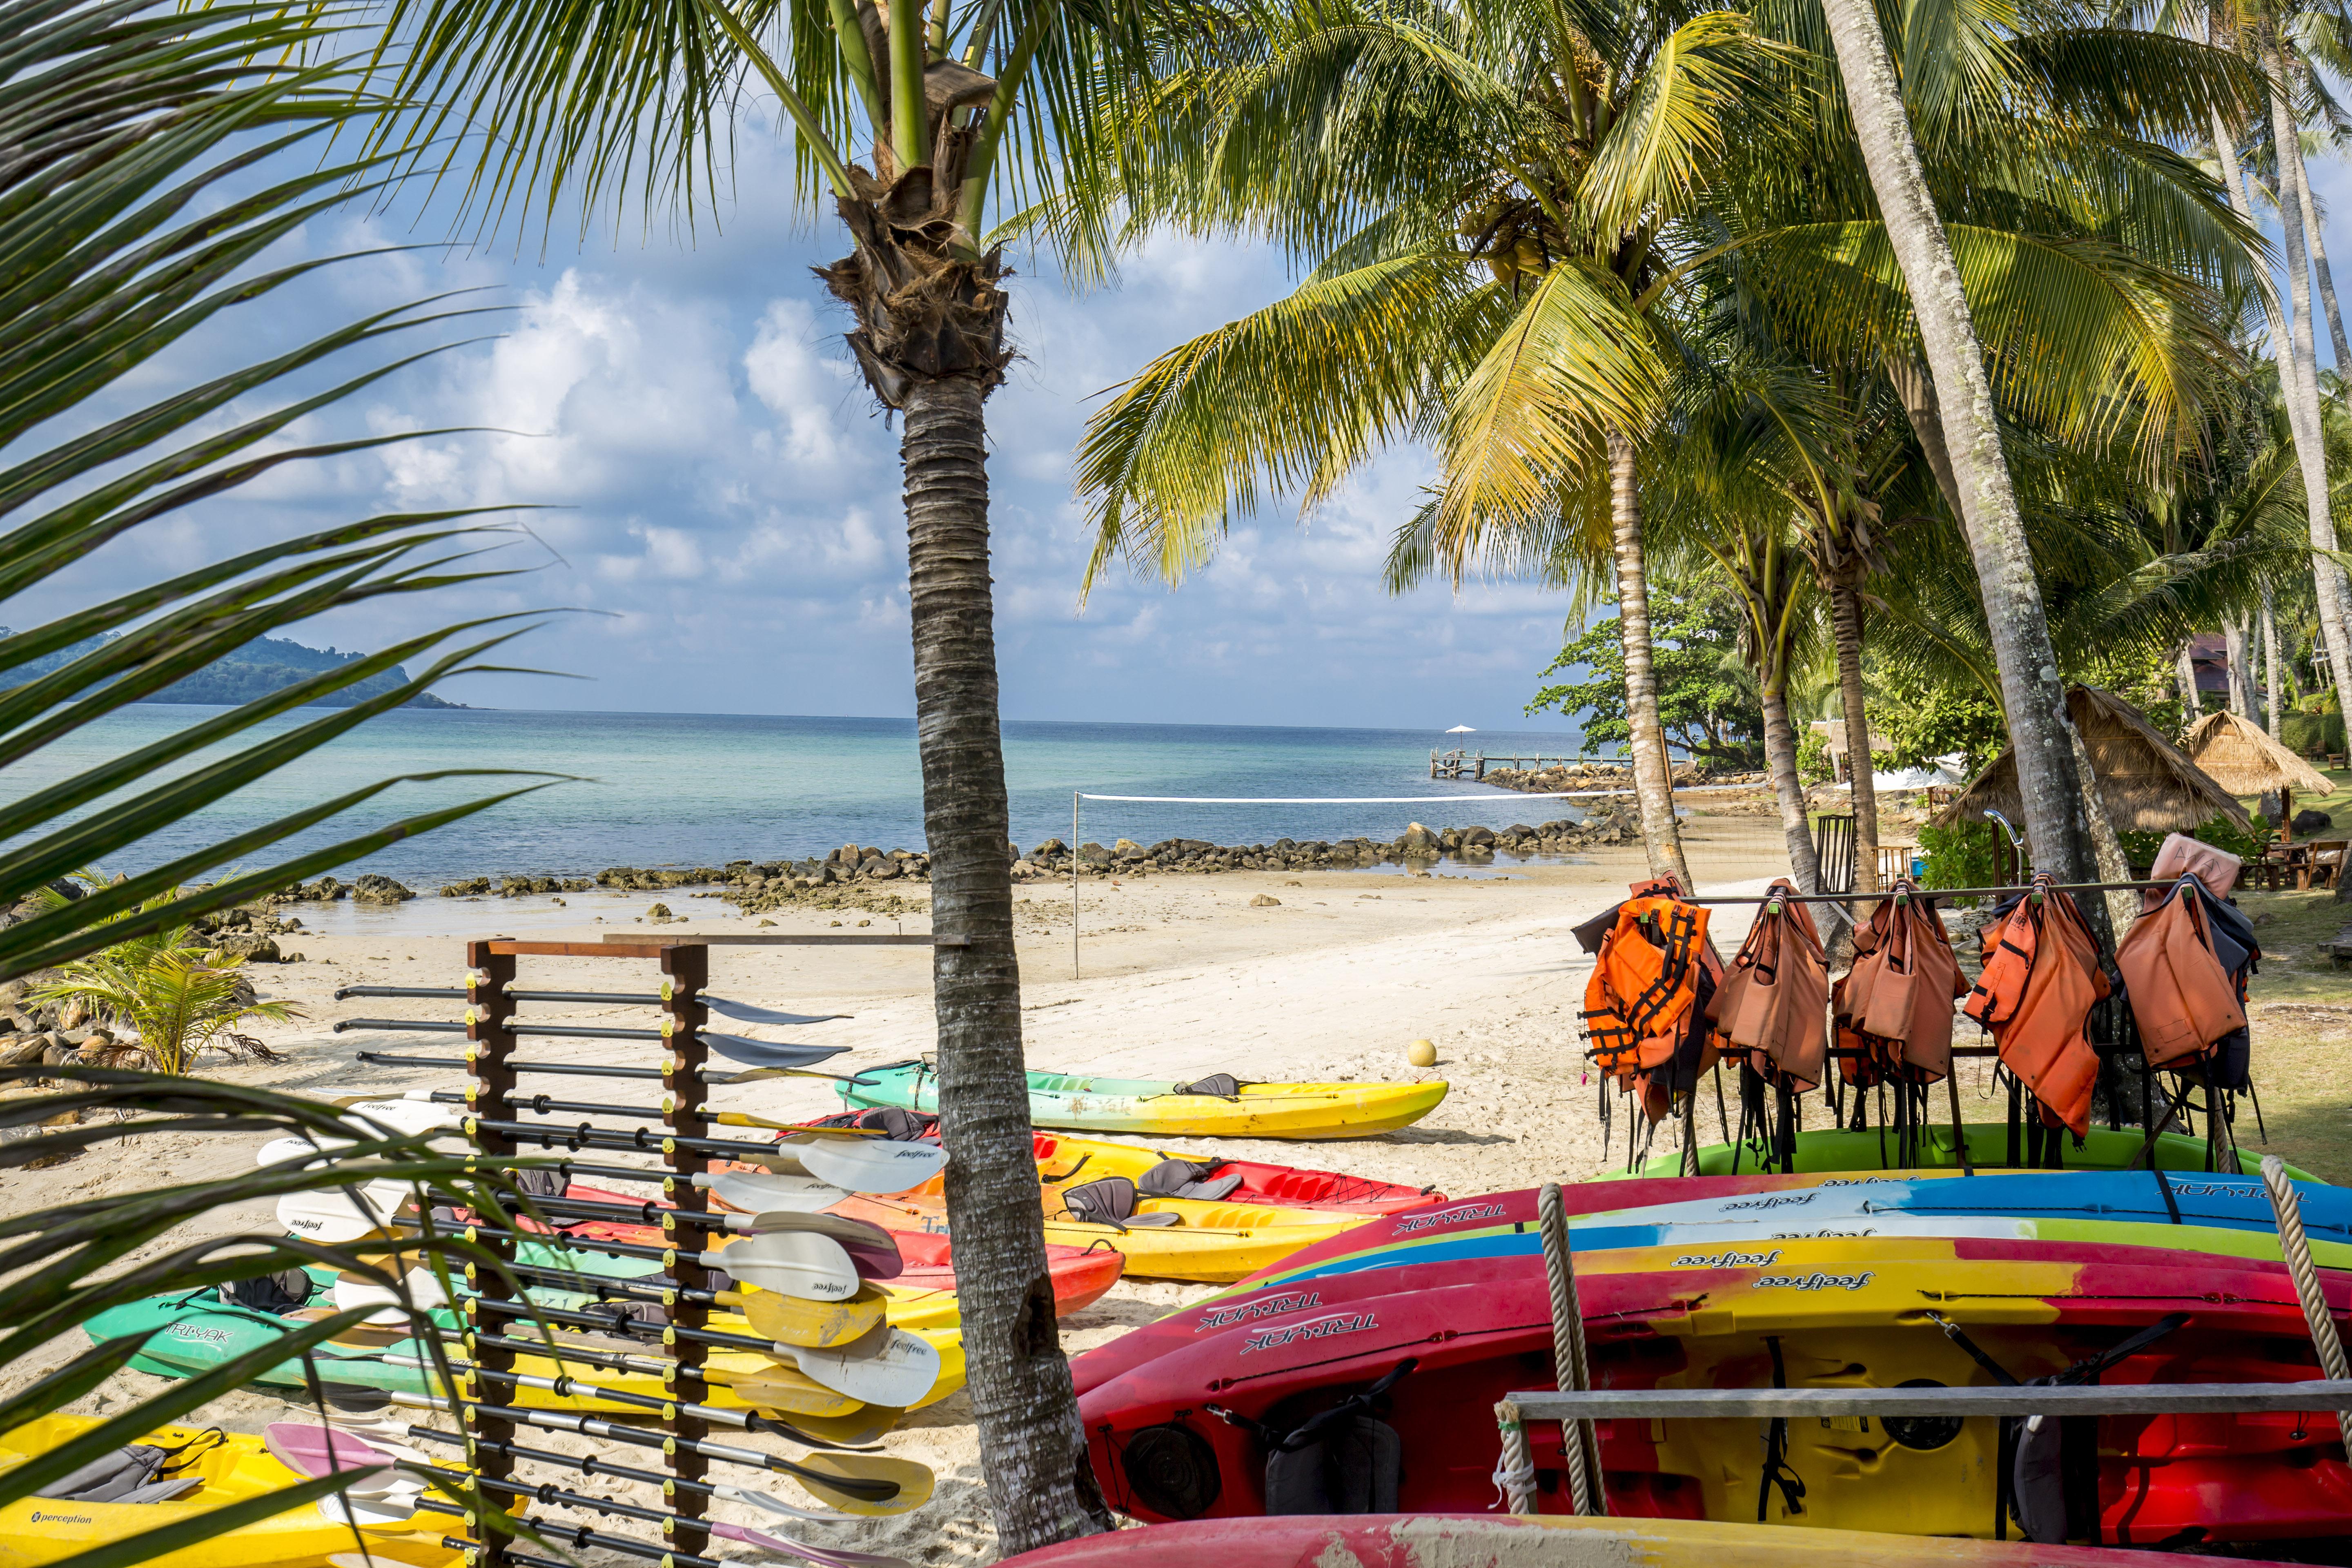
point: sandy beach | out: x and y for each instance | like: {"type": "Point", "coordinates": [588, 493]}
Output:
{"type": "Point", "coordinates": [1179, 976]}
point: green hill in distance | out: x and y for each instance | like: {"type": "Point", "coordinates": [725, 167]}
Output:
{"type": "Point", "coordinates": [253, 671]}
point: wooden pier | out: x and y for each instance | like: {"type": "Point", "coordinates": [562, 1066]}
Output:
{"type": "Point", "coordinates": [1459, 764]}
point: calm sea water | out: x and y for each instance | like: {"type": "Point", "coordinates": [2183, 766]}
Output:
{"type": "Point", "coordinates": [684, 790]}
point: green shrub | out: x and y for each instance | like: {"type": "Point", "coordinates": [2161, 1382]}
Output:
{"type": "Point", "coordinates": [1813, 758]}
{"type": "Point", "coordinates": [1971, 854]}
{"type": "Point", "coordinates": [2309, 734]}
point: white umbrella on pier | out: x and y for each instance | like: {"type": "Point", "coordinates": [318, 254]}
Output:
{"type": "Point", "coordinates": [1462, 729]}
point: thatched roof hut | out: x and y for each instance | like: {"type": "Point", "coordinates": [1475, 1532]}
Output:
{"type": "Point", "coordinates": [2149, 784]}
{"type": "Point", "coordinates": [2236, 754]}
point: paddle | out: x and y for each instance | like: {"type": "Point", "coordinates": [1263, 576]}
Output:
{"type": "Point", "coordinates": [768, 1053]}
{"type": "Point", "coordinates": [788, 1321]}
{"type": "Point", "coordinates": [888, 1367]}
{"type": "Point", "coordinates": [814, 1267]}
{"type": "Point", "coordinates": [878, 1165]}
{"type": "Point", "coordinates": [386, 1431]}
{"type": "Point", "coordinates": [335, 1216]}
{"type": "Point", "coordinates": [744, 1012]}
{"type": "Point", "coordinates": [883, 1485]}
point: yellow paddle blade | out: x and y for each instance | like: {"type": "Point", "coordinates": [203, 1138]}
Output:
{"type": "Point", "coordinates": [864, 1425]}
{"type": "Point", "coordinates": [785, 1390]}
{"type": "Point", "coordinates": [814, 1325]}
{"type": "Point", "coordinates": [914, 1482]}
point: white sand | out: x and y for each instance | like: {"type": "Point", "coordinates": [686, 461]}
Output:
{"type": "Point", "coordinates": [1180, 977]}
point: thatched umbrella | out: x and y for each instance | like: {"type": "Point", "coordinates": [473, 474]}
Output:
{"type": "Point", "coordinates": [2148, 783]}
{"type": "Point", "coordinates": [2236, 754]}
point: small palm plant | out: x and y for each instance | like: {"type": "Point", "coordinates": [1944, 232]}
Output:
{"type": "Point", "coordinates": [181, 997]}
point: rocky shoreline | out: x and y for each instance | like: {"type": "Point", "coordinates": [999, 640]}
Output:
{"type": "Point", "coordinates": [855, 874]}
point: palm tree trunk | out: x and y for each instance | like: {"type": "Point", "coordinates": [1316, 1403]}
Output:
{"type": "Point", "coordinates": [1032, 1451]}
{"type": "Point", "coordinates": [2031, 695]}
{"type": "Point", "coordinates": [2270, 663]}
{"type": "Point", "coordinates": [1787, 789]}
{"type": "Point", "coordinates": [2297, 361]}
{"type": "Point", "coordinates": [1653, 784]}
{"type": "Point", "coordinates": [930, 340]}
{"type": "Point", "coordinates": [1845, 627]}
{"type": "Point", "coordinates": [2233, 643]}
{"type": "Point", "coordinates": [2184, 678]}
{"type": "Point", "coordinates": [2316, 230]}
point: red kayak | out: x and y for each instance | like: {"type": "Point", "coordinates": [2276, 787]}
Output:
{"type": "Point", "coordinates": [1413, 1357]}
{"type": "Point", "coordinates": [1491, 1541]}
{"type": "Point", "coordinates": [1081, 1275]}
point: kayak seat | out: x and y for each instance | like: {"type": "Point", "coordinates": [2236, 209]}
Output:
{"type": "Point", "coordinates": [1111, 1201]}
{"type": "Point", "coordinates": [1222, 1085]}
{"type": "Point", "coordinates": [129, 1475]}
{"type": "Point", "coordinates": [1187, 1179]}
{"type": "Point", "coordinates": [277, 1293]}
{"type": "Point", "coordinates": [1353, 1466]}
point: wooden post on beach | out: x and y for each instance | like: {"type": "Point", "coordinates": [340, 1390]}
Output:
{"type": "Point", "coordinates": [1074, 884]}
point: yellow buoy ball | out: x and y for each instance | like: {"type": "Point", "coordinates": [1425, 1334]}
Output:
{"type": "Point", "coordinates": [1422, 1053]}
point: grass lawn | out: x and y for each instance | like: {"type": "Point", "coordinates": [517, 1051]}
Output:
{"type": "Point", "coordinates": [2300, 1005]}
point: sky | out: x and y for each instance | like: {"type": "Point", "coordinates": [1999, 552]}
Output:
{"type": "Point", "coordinates": [717, 499]}
{"type": "Point", "coordinates": [714, 499]}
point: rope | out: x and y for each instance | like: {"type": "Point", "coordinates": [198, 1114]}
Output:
{"type": "Point", "coordinates": [1515, 1472]}
{"type": "Point", "coordinates": [2288, 1206]}
{"type": "Point", "coordinates": [1571, 1373]}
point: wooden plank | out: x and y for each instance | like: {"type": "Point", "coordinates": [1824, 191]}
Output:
{"type": "Point", "coordinates": [2141, 1399]}
{"type": "Point", "coordinates": [762, 938]}
{"type": "Point", "coordinates": [612, 947]}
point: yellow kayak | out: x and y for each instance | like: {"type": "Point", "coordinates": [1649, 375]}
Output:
{"type": "Point", "coordinates": [227, 1469]}
{"type": "Point", "coordinates": [1211, 1243]}
{"type": "Point", "coordinates": [1089, 1104]}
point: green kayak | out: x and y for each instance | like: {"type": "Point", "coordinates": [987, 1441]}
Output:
{"type": "Point", "coordinates": [1220, 1107]}
{"type": "Point", "coordinates": [1828, 1149]}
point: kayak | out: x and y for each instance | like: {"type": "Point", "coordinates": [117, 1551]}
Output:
{"type": "Point", "coordinates": [1211, 1243]}
{"type": "Point", "coordinates": [922, 1294]}
{"type": "Point", "coordinates": [1827, 1149]}
{"type": "Point", "coordinates": [1061, 1158]}
{"type": "Point", "coordinates": [226, 1469]}
{"type": "Point", "coordinates": [1455, 1335]}
{"type": "Point", "coordinates": [1083, 1103]}
{"type": "Point", "coordinates": [1541, 1541]}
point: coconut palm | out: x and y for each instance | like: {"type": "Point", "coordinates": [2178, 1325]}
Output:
{"type": "Point", "coordinates": [907, 118]}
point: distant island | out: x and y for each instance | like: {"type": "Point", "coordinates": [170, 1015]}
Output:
{"type": "Point", "coordinates": [253, 671]}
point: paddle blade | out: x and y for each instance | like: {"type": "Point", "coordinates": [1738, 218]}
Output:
{"type": "Point", "coordinates": [860, 1164]}
{"type": "Point", "coordinates": [797, 1263]}
{"type": "Point", "coordinates": [744, 1012]}
{"type": "Point", "coordinates": [872, 1250]}
{"type": "Point", "coordinates": [785, 1391]}
{"type": "Point", "coordinates": [790, 1320]}
{"type": "Point", "coordinates": [914, 1482]}
{"type": "Point", "coordinates": [286, 1150]}
{"type": "Point", "coordinates": [406, 1116]}
{"type": "Point", "coordinates": [821, 1556]}
{"type": "Point", "coordinates": [335, 1216]}
{"type": "Point", "coordinates": [864, 1425]}
{"type": "Point", "coordinates": [771, 1504]}
{"type": "Point", "coordinates": [768, 1053]}
{"type": "Point", "coordinates": [769, 1195]}
{"type": "Point", "coordinates": [899, 1369]}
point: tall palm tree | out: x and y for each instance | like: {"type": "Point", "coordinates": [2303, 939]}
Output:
{"type": "Point", "coordinates": [1489, 193]}
{"type": "Point", "coordinates": [613, 101]}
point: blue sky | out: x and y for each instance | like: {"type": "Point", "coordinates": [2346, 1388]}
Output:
{"type": "Point", "coordinates": [721, 497]}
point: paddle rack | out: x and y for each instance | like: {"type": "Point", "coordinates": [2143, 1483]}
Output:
{"type": "Point", "coordinates": [490, 1095]}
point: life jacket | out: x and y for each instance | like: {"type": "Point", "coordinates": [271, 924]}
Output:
{"type": "Point", "coordinates": [1772, 997]}
{"type": "Point", "coordinates": [2041, 977]}
{"type": "Point", "coordinates": [2184, 1001]}
{"type": "Point", "coordinates": [1894, 1005]}
{"type": "Point", "coordinates": [1643, 984]}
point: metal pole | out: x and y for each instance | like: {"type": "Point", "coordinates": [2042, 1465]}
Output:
{"type": "Point", "coordinates": [1074, 884]}
{"type": "Point", "coordinates": [1571, 1373]}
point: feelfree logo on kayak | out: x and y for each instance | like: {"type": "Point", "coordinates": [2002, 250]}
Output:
{"type": "Point", "coordinates": [1728, 1260]}
{"type": "Point", "coordinates": [1777, 1200]}
{"type": "Point", "coordinates": [1226, 1316]}
{"type": "Point", "coordinates": [1812, 1282]}
{"type": "Point", "coordinates": [1322, 1328]}
{"type": "Point", "coordinates": [1459, 1216]}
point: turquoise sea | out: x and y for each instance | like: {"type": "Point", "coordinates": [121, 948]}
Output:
{"type": "Point", "coordinates": [703, 789]}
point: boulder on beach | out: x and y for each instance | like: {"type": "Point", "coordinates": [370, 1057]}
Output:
{"type": "Point", "coordinates": [370, 889]}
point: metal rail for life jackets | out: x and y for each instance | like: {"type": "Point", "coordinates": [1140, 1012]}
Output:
{"type": "Point", "coordinates": [1916, 893]}
{"type": "Point", "coordinates": [1990, 1399]}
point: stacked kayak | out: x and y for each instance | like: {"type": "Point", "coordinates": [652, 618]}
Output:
{"type": "Point", "coordinates": [1214, 1108]}
{"type": "Point", "coordinates": [177, 1474]}
{"type": "Point", "coordinates": [1061, 1158]}
{"type": "Point", "coordinates": [1401, 1338]}
{"type": "Point", "coordinates": [1831, 1150]}
{"type": "Point", "coordinates": [1487, 1540]}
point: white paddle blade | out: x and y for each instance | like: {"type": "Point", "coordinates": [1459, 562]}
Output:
{"type": "Point", "coordinates": [744, 1012]}
{"type": "Point", "coordinates": [867, 1164]}
{"type": "Point", "coordinates": [767, 1195]}
{"type": "Point", "coordinates": [790, 1263]}
{"type": "Point", "coordinates": [405, 1116]}
{"type": "Point", "coordinates": [901, 1373]}
{"type": "Point", "coordinates": [423, 1289]}
{"type": "Point", "coordinates": [336, 1216]}
{"type": "Point", "coordinates": [295, 1151]}
{"type": "Point", "coordinates": [768, 1503]}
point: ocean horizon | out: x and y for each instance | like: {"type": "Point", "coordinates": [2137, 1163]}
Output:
{"type": "Point", "coordinates": [681, 790]}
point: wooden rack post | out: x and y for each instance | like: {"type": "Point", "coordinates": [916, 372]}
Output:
{"type": "Point", "coordinates": [488, 1009]}
{"type": "Point", "coordinates": [685, 972]}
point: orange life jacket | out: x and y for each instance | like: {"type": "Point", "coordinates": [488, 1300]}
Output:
{"type": "Point", "coordinates": [1771, 1000]}
{"type": "Point", "coordinates": [1643, 982]}
{"type": "Point", "coordinates": [2181, 997]}
{"type": "Point", "coordinates": [1894, 1004]}
{"type": "Point", "coordinates": [2042, 978]}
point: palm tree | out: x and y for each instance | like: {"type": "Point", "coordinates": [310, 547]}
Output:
{"type": "Point", "coordinates": [1490, 194]}
{"type": "Point", "coordinates": [178, 994]}
{"type": "Point", "coordinates": [621, 99]}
